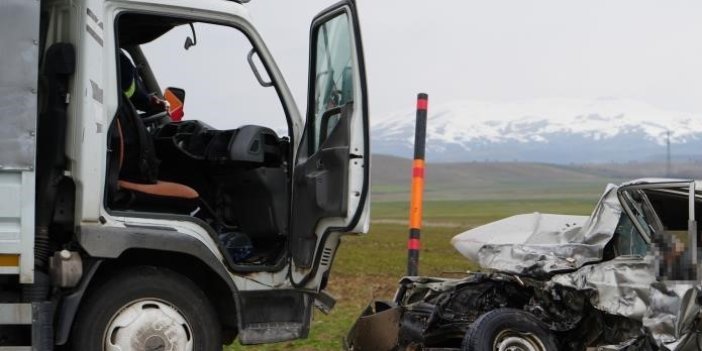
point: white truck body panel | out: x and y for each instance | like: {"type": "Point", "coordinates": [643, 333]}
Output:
{"type": "Point", "coordinates": [19, 25]}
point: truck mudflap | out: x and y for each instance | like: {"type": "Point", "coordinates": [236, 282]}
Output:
{"type": "Point", "coordinates": [377, 328]}
{"type": "Point", "coordinates": [274, 316]}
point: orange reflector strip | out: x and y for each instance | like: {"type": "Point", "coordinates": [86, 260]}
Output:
{"type": "Point", "coordinates": [9, 260]}
{"type": "Point", "coordinates": [415, 220]}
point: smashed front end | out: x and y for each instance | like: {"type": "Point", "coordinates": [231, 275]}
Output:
{"type": "Point", "coordinates": [588, 281]}
{"type": "Point", "coordinates": [434, 313]}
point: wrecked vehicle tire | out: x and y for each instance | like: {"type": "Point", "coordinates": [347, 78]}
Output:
{"type": "Point", "coordinates": [508, 329]}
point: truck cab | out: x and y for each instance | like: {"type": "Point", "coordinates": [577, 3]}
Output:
{"type": "Point", "coordinates": [135, 219]}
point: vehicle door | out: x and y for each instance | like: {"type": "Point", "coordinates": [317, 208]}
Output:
{"type": "Point", "coordinates": [664, 214]}
{"type": "Point", "coordinates": [331, 173]}
{"type": "Point", "coordinates": [669, 210]}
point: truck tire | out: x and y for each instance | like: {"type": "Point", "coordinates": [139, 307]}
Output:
{"type": "Point", "coordinates": [508, 329]}
{"type": "Point", "coordinates": [147, 308]}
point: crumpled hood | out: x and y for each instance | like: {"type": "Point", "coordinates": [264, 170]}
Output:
{"type": "Point", "coordinates": [534, 228]}
{"type": "Point", "coordinates": [542, 244]}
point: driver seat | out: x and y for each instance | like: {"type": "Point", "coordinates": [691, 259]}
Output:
{"type": "Point", "coordinates": [137, 168]}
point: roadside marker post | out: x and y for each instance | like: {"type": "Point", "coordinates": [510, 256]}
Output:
{"type": "Point", "coordinates": [415, 211]}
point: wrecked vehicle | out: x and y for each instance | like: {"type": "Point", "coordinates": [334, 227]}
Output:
{"type": "Point", "coordinates": [624, 278]}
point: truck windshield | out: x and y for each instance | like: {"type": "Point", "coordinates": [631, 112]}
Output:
{"type": "Point", "coordinates": [221, 89]}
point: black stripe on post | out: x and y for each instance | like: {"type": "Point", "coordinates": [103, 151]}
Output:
{"type": "Point", "coordinates": [420, 131]}
{"type": "Point", "coordinates": [412, 262]}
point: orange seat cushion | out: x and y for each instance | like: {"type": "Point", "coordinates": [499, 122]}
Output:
{"type": "Point", "coordinates": [161, 188]}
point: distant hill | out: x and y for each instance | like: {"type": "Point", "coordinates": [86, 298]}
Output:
{"type": "Point", "coordinates": [512, 180]}
{"type": "Point", "coordinates": [556, 131]}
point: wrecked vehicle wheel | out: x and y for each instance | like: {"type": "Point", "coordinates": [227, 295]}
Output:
{"type": "Point", "coordinates": [508, 329]}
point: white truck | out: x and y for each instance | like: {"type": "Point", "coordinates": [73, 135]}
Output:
{"type": "Point", "coordinates": [122, 228]}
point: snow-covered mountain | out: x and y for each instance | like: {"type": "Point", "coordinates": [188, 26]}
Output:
{"type": "Point", "coordinates": [556, 130]}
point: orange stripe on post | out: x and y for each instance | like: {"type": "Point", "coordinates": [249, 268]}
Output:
{"type": "Point", "coordinates": [416, 203]}
{"type": "Point", "coordinates": [9, 260]}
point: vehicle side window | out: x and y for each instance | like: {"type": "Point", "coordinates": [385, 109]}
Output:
{"type": "Point", "coordinates": [628, 241]}
{"type": "Point", "coordinates": [638, 208]}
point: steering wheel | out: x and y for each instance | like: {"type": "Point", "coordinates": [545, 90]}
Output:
{"type": "Point", "coordinates": [154, 118]}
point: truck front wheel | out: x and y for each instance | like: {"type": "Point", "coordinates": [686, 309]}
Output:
{"type": "Point", "coordinates": [147, 308]}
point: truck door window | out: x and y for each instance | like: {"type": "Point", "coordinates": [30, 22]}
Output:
{"type": "Point", "coordinates": [334, 81]}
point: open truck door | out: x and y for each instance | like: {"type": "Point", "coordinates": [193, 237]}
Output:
{"type": "Point", "coordinates": [332, 167]}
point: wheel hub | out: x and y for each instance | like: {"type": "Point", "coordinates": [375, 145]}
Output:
{"type": "Point", "coordinates": [148, 325]}
{"type": "Point", "coordinates": [512, 340]}
{"type": "Point", "coordinates": [155, 343]}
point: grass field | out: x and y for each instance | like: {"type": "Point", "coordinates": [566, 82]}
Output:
{"type": "Point", "coordinates": [368, 267]}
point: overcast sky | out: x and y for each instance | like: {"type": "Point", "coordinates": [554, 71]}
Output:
{"type": "Point", "coordinates": [497, 51]}
{"type": "Point", "coordinates": [502, 50]}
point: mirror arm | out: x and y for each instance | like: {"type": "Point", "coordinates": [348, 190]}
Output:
{"type": "Point", "coordinates": [190, 42]}
{"type": "Point", "coordinates": [249, 58]}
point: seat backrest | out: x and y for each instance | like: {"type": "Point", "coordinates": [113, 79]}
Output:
{"type": "Point", "coordinates": [137, 154]}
